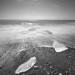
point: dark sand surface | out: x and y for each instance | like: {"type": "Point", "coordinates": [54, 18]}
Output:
{"type": "Point", "coordinates": [48, 62]}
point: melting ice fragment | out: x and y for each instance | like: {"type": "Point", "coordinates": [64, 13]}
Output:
{"type": "Point", "coordinates": [26, 66]}
{"type": "Point", "coordinates": [59, 47]}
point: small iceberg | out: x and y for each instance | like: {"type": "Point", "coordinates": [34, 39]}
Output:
{"type": "Point", "coordinates": [26, 66]}
{"type": "Point", "coordinates": [59, 47]}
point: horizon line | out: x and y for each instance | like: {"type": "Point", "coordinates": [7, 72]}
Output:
{"type": "Point", "coordinates": [36, 19]}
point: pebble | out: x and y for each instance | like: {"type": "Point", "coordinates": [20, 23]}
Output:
{"type": "Point", "coordinates": [60, 74]}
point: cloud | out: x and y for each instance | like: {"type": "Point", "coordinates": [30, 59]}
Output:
{"type": "Point", "coordinates": [34, 0]}
{"type": "Point", "coordinates": [20, 0]}
{"type": "Point", "coordinates": [55, 5]}
{"type": "Point", "coordinates": [27, 0]}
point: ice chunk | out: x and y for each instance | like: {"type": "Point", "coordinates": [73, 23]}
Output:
{"type": "Point", "coordinates": [26, 66]}
{"type": "Point", "coordinates": [59, 47]}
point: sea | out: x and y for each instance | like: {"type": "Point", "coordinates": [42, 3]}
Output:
{"type": "Point", "coordinates": [41, 22]}
{"type": "Point", "coordinates": [64, 30]}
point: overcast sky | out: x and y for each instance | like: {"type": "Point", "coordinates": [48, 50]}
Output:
{"type": "Point", "coordinates": [37, 9]}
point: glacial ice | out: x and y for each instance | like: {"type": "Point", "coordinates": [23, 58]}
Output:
{"type": "Point", "coordinates": [59, 47]}
{"type": "Point", "coordinates": [26, 65]}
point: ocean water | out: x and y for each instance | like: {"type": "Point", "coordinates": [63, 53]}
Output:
{"type": "Point", "coordinates": [62, 30]}
{"type": "Point", "coordinates": [41, 22]}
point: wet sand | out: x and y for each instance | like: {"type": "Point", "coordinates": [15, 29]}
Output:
{"type": "Point", "coordinates": [16, 47]}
